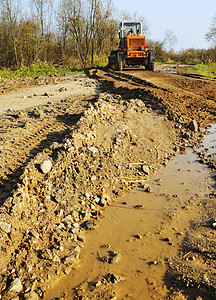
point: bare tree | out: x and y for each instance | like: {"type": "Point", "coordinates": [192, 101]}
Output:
{"type": "Point", "coordinates": [211, 34]}
{"type": "Point", "coordinates": [10, 10]}
{"type": "Point", "coordinates": [169, 40]}
{"type": "Point", "coordinates": [43, 12]}
{"type": "Point", "coordinates": [62, 24]}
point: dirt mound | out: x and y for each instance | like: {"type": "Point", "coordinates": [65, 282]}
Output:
{"type": "Point", "coordinates": [43, 220]}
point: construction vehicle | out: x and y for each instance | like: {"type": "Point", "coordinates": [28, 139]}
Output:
{"type": "Point", "coordinates": [132, 50]}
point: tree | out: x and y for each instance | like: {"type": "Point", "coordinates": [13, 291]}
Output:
{"type": "Point", "coordinates": [43, 13]}
{"type": "Point", "coordinates": [10, 10]}
{"type": "Point", "coordinates": [169, 40]}
{"type": "Point", "coordinates": [211, 34]}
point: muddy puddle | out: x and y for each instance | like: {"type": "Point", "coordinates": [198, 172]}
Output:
{"type": "Point", "coordinates": [144, 229]}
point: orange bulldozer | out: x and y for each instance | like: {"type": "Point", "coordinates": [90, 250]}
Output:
{"type": "Point", "coordinates": [132, 50]}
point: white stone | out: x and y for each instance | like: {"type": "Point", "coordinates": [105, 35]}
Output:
{"type": "Point", "coordinates": [46, 166]}
{"type": "Point", "coordinates": [16, 286]}
{"type": "Point", "coordinates": [5, 226]}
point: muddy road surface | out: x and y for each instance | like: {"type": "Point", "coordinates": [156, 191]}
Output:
{"type": "Point", "coordinates": [107, 190]}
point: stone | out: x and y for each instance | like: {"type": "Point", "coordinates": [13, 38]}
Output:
{"type": "Point", "coordinates": [15, 286]}
{"type": "Point", "coordinates": [193, 125]}
{"type": "Point", "coordinates": [139, 206]}
{"type": "Point", "coordinates": [214, 224]}
{"type": "Point", "coordinates": [145, 169]}
{"type": "Point", "coordinates": [102, 202]}
{"type": "Point", "coordinates": [114, 257]}
{"type": "Point", "coordinates": [147, 188]}
{"type": "Point", "coordinates": [81, 237]}
{"type": "Point", "coordinates": [6, 227]}
{"type": "Point", "coordinates": [138, 236]}
{"type": "Point", "coordinates": [46, 166]}
{"type": "Point", "coordinates": [34, 233]}
{"type": "Point", "coordinates": [88, 225]}
{"type": "Point", "coordinates": [205, 278]}
{"type": "Point", "coordinates": [62, 89]}
{"type": "Point", "coordinates": [56, 258]}
{"type": "Point", "coordinates": [112, 278]}
{"type": "Point", "coordinates": [93, 150]}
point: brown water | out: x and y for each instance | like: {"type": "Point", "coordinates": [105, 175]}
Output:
{"type": "Point", "coordinates": [166, 213]}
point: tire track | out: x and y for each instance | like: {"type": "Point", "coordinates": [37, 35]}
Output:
{"type": "Point", "coordinates": [20, 145]}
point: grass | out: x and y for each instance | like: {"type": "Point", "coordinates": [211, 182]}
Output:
{"type": "Point", "coordinates": [208, 70]}
{"type": "Point", "coordinates": [44, 69]}
{"type": "Point", "coordinates": [38, 69]}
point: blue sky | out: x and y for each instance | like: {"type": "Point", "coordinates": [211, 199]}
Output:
{"type": "Point", "coordinates": [188, 19]}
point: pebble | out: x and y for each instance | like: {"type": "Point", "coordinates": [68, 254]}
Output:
{"type": "Point", "coordinates": [93, 150]}
{"type": "Point", "coordinates": [214, 224]}
{"type": "Point", "coordinates": [81, 237]}
{"type": "Point", "coordinates": [56, 258]}
{"type": "Point", "coordinates": [145, 169]}
{"type": "Point", "coordinates": [5, 227]}
{"type": "Point", "coordinates": [193, 125]}
{"type": "Point", "coordinates": [15, 286]}
{"type": "Point", "coordinates": [88, 225]}
{"type": "Point", "coordinates": [102, 202]}
{"type": "Point", "coordinates": [205, 278]}
{"type": "Point", "coordinates": [138, 236]}
{"type": "Point", "coordinates": [139, 206]}
{"type": "Point", "coordinates": [46, 166]}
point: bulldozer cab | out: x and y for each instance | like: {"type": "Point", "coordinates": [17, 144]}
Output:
{"type": "Point", "coordinates": [128, 28]}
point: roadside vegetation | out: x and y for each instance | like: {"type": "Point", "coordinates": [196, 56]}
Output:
{"type": "Point", "coordinates": [82, 36]}
{"type": "Point", "coordinates": [204, 70]}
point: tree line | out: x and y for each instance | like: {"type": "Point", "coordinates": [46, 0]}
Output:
{"type": "Point", "coordinates": [78, 31]}
{"type": "Point", "coordinates": [74, 33]}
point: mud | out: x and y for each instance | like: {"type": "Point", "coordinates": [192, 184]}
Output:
{"type": "Point", "coordinates": [146, 229]}
{"type": "Point", "coordinates": [100, 146]}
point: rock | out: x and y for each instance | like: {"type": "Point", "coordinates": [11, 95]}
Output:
{"type": "Point", "coordinates": [88, 225]}
{"type": "Point", "coordinates": [102, 202]}
{"type": "Point", "coordinates": [205, 278]}
{"type": "Point", "coordinates": [112, 278]}
{"type": "Point", "coordinates": [145, 169]}
{"type": "Point", "coordinates": [34, 233]}
{"type": "Point", "coordinates": [138, 236]}
{"type": "Point", "coordinates": [15, 286]}
{"type": "Point", "coordinates": [81, 237]}
{"type": "Point", "coordinates": [193, 125]}
{"type": "Point", "coordinates": [46, 166]}
{"type": "Point", "coordinates": [31, 296]}
{"type": "Point", "coordinates": [214, 224]}
{"type": "Point", "coordinates": [93, 178]}
{"type": "Point", "coordinates": [93, 150]}
{"type": "Point", "coordinates": [139, 206]}
{"type": "Point", "coordinates": [147, 188]}
{"type": "Point", "coordinates": [56, 258]}
{"type": "Point", "coordinates": [112, 257]}
{"type": "Point", "coordinates": [5, 227]}
{"type": "Point", "coordinates": [182, 149]}
{"type": "Point", "coordinates": [62, 89]}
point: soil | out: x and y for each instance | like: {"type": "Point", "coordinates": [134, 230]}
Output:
{"type": "Point", "coordinates": [101, 136]}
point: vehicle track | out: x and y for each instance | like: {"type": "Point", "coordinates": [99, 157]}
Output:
{"type": "Point", "coordinates": [193, 98]}
{"type": "Point", "coordinates": [24, 140]}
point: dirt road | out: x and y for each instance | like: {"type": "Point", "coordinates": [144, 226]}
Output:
{"type": "Point", "coordinates": [89, 141]}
